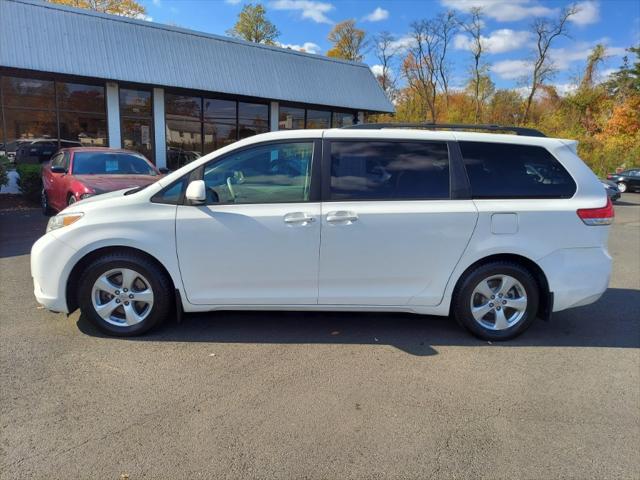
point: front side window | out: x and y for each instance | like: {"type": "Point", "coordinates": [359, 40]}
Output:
{"type": "Point", "coordinates": [365, 170]}
{"type": "Point", "coordinates": [275, 173]}
{"type": "Point", "coordinates": [501, 170]}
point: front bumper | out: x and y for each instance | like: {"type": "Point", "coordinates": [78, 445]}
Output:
{"type": "Point", "coordinates": [51, 262]}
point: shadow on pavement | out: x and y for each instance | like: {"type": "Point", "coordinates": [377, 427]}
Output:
{"type": "Point", "coordinates": [19, 229]}
{"type": "Point", "coordinates": [611, 322]}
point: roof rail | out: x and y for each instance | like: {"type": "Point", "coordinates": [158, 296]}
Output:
{"type": "Point", "coordinates": [529, 132]}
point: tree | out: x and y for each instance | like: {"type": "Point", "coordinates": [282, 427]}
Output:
{"type": "Point", "coordinates": [349, 42]}
{"type": "Point", "coordinates": [626, 81]}
{"type": "Point", "coordinates": [252, 25]}
{"type": "Point", "coordinates": [385, 52]}
{"type": "Point", "coordinates": [546, 31]}
{"type": "Point", "coordinates": [478, 69]}
{"type": "Point", "coordinates": [125, 8]}
{"type": "Point", "coordinates": [444, 27]}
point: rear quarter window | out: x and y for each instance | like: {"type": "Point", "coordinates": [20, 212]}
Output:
{"type": "Point", "coordinates": [500, 170]}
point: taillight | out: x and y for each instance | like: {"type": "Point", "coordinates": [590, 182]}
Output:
{"type": "Point", "coordinates": [597, 216]}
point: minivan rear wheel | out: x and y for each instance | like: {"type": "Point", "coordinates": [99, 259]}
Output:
{"type": "Point", "coordinates": [497, 300]}
{"type": "Point", "coordinates": [124, 294]}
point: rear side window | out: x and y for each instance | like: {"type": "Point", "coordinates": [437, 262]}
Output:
{"type": "Point", "coordinates": [500, 170]}
{"type": "Point", "coordinates": [365, 170]}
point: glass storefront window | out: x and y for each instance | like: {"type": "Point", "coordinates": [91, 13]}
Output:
{"type": "Point", "coordinates": [136, 121]}
{"type": "Point", "coordinates": [181, 107]}
{"type": "Point", "coordinates": [137, 136]}
{"type": "Point", "coordinates": [80, 98]}
{"type": "Point", "coordinates": [342, 119]}
{"type": "Point", "coordinates": [88, 129]}
{"type": "Point", "coordinates": [220, 123]}
{"type": "Point", "coordinates": [290, 118]}
{"type": "Point", "coordinates": [253, 118]}
{"type": "Point", "coordinates": [318, 119]}
{"type": "Point", "coordinates": [135, 103]}
{"type": "Point", "coordinates": [29, 124]}
{"type": "Point", "coordinates": [28, 93]}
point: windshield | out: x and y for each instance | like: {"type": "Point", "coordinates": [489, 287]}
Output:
{"type": "Point", "coordinates": [110, 163]}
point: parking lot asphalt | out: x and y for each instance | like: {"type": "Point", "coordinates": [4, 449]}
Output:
{"type": "Point", "coordinates": [299, 395]}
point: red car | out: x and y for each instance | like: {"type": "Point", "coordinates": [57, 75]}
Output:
{"type": "Point", "coordinates": [81, 172]}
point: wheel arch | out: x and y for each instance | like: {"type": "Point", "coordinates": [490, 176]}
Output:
{"type": "Point", "coordinates": [71, 289]}
{"type": "Point", "coordinates": [545, 305]}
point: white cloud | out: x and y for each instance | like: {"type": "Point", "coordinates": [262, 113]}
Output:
{"type": "Point", "coordinates": [511, 69]}
{"type": "Point", "coordinates": [310, 9]}
{"type": "Point", "coordinates": [502, 10]}
{"type": "Point", "coordinates": [377, 15]}
{"type": "Point", "coordinates": [402, 44]}
{"type": "Point", "coordinates": [156, 2]}
{"type": "Point", "coordinates": [233, 2]}
{"type": "Point", "coordinates": [588, 13]}
{"type": "Point", "coordinates": [499, 41]}
{"type": "Point", "coordinates": [562, 58]}
{"type": "Point", "coordinates": [565, 88]}
{"type": "Point", "coordinates": [377, 70]}
{"type": "Point", "coordinates": [308, 47]}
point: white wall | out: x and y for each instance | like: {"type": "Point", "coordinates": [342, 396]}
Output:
{"type": "Point", "coordinates": [113, 115]}
{"type": "Point", "coordinates": [160, 144]}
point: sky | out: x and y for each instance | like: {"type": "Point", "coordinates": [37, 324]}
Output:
{"type": "Point", "coordinates": [306, 24]}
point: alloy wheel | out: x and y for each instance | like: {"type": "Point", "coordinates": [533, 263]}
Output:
{"type": "Point", "coordinates": [498, 302]}
{"type": "Point", "coordinates": [122, 297]}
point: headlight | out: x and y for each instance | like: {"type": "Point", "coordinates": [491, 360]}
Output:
{"type": "Point", "coordinates": [63, 220]}
{"type": "Point", "coordinates": [86, 195]}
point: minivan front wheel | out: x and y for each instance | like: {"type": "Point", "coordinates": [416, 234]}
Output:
{"type": "Point", "coordinates": [124, 294]}
{"type": "Point", "coordinates": [497, 301]}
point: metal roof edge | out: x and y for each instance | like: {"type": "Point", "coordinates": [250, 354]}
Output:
{"type": "Point", "coordinates": [184, 31]}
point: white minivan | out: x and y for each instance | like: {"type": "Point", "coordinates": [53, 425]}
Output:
{"type": "Point", "coordinates": [492, 229]}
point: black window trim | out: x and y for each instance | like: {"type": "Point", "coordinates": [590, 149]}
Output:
{"type": "Point", "coordinates": [459, 188]}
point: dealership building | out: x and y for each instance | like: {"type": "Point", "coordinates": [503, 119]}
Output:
{"type": "Point", "coordinates": [80, 77]}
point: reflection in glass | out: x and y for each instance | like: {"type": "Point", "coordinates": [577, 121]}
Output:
{"type": "Point", "coordinates": [253, 118]}
{"type": "Point", "coordinates": [290, 118]}
{"type": "Point", "coordinates": [28, 93]}
{"type": "Point", "coordinates": [318, 119]}
{"type": "Point", "coordinates": [86, 128]}
{"type": "Point", "coordinates": [180, 107]}
{"type": "Point", "coordinates": [389, 170]}
{"type": "Point", "coordinates": [264, 174]}
{"type": "Point", "coordinates": [135, 103]}
{"type": "Point", "coordinates": [342, 119]}
{"type": "Point", "coordinates": [23, 124]}
{"type": "Point", "coordinates": [137, 136]}
{"type": "Point", "coordinates": [80, 98]}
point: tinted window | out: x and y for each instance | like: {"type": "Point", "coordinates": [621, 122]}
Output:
{"type": "Point", "coordinates": [499, 170]}
{"type": "Point", "coordinates": [101, 163]}
{"type": "Point", "coordinates": [318, 119]}
{"type": "Point", "coordinates": [276, 173]}
{"type": "Point", "coordinates": [172, 193]}
{"type": "Point", "coordinates": [389, 170]}
{"type": "Point", "coordinates": [290, 118]}
{"type": "Point", "coordinates": [253, 118]}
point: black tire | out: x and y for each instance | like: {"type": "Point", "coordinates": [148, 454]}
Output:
{"type": "Point", "coordinates": [159, 283]}
{"type": "Point", "coordinates": [44, 203]}
{"type": "Point", "coordinates": [461, 305]}
{"type": "Point", "coordinates": [71, 200]}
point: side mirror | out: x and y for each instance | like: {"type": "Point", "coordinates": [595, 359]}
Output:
{"type": "Point", "coordinates": [58, 169]}
{"type": "Point", "coordinates": [196, 192]}
{"type": "Point", "coordinates": [164, 170]}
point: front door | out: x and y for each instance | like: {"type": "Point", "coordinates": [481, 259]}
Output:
{"type": "Point", "coordinates": [257, 239]}
{"type": "Point", "coordinates": [391, 235]}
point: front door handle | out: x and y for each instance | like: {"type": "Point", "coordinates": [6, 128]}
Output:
{"type": "Point", "coordinates": [342, 216]}
{"type": "Point", "coordinates": [298, 218]}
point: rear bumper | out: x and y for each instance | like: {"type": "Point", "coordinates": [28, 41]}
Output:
{"type": "Point", "coordinates": [577, 276]}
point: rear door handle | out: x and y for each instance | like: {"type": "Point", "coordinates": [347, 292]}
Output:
{"type": "Point", "coordinates": [342, 216]}
{"type": "Point", "coordinates": [298, 218]}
